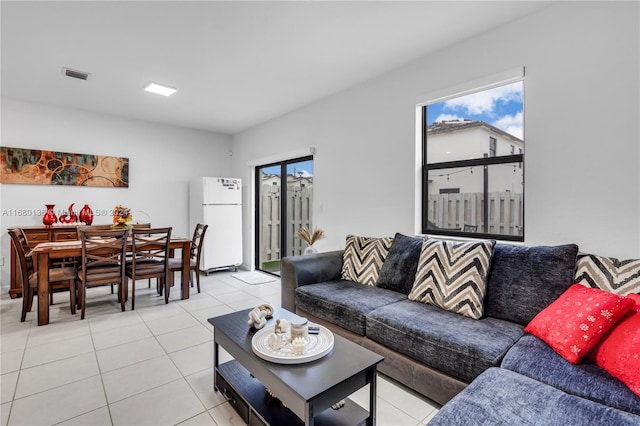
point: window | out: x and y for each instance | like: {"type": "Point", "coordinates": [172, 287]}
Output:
{"type": "Point", "coordinates": [488, 200]}
{"type": "Point", "coordinates": [493, 146]}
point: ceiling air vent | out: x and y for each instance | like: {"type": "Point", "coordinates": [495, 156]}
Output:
{"type": "Point", "coordinates": [81, 75]}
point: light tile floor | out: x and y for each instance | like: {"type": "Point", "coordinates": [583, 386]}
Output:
{"type": "Point", "coordinates": [151, 366]}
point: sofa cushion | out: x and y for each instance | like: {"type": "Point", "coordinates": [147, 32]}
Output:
{"type": "Point", "coordinates": [399, 268]}
{"type": "Point", "coordinates": [363, 257]}
{"type": "Point", "coordinates": [608, 273]}
{"type": "Point", "coordinates": [618, 352]}
{"type": "Point", "coordinates": [502, 397]}
{"type": "Point", "coordinates": [452, 275]}
{"type": "Point", "coordinates": [525, 280]}
{"type": "Point", "coordinates": [344, 303]}
{"type": "Point", "coordinates": [574, 322]}
{"type": "Point", "coordinates": [454, 344]}
{"type": "Point", "coordinates": [585, 380]}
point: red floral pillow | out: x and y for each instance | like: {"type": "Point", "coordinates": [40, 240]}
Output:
{"type": "Point", "coordinates": [636, 298]}
{"type": "Point", "coordinates": [618, 352]}
{"type": "Point", "coordinates": [576, 320]}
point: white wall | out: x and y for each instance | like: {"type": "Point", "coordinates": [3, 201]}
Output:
{"type": "Point", "coordinates": [162, 159]}
{"type": "Point", "coordinates": [581, 132]}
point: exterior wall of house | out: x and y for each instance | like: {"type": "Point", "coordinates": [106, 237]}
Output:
{"type": "Point", "coordinates": [466, 144]}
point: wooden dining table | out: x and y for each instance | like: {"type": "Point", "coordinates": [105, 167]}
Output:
{"type": "Point", "coordinates": [46, 251]}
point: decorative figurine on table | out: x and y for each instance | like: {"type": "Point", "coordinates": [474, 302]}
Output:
{"type": "Point", "coordinates": [299, 345]}
{"type": "Point", "coordinates": [258, 316]}
{"type": "Point", "coordinates": [281, 326]}
{"type": "Point", "coordinates": [276, 341]}
{"type": "Point", "coordinates": [268, 309]}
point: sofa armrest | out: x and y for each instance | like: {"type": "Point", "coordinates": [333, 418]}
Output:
{"type": "Point", "coordinates": [297, 271]}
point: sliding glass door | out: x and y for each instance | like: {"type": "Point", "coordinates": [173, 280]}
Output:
{"type": "Point", "coordinates": [284, 193]}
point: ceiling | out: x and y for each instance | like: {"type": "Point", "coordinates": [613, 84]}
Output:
{"type": "Point", "coordinates": [235, 64]}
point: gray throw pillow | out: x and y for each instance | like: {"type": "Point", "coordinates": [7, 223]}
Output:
{"type": "Point", "coordinates": [399, 268]}
{"type": "Point", "coordinates": [525, 280]}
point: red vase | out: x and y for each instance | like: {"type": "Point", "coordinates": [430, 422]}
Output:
{"type": "Point", "coordinates": [69, 218]}
{"type": "Point", "coordinates": [49, 217]}
{"type": "Point", "coordinates": [86, 215]}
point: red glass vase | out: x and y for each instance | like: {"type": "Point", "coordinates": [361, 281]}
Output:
{"type": "Point", "coordinates": [69, 218]}
{"type": "Point", "coordinates": [86, 215]}
{"type": "Point", "coordinates": [49, 217]}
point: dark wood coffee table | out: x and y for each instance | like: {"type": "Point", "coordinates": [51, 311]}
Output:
{"type": "Point", "coordinates": [305, 391]}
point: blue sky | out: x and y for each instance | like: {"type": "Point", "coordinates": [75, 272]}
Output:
{"type": "Point", "coordinates": [306, 167]}
{"type": "Point", "coordinates": [501, 107]}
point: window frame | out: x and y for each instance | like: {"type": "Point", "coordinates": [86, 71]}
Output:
{"type": "Point", "coordinates": [485, 161]}
{"type": "Point", "coordinates": [493, 145]}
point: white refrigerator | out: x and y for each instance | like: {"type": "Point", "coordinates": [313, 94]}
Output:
{"type": "Point", "coordinates": [217, 202]}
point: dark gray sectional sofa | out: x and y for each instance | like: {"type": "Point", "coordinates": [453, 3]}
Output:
{"type": "Point", "coordinates": [500, 374]}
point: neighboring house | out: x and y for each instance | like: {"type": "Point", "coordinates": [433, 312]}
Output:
{"type": "Point", "coordinates": [298, 182]}
{"type": "Point", "coordinates": [463, 140]}
{"type": "Point", "coordinates": [293, 182]}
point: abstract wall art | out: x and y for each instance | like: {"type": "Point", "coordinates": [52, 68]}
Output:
{"type": "Point", "coordinates": [40, 167]}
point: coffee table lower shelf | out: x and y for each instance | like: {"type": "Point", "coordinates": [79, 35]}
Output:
{"type": "Point", "coordinates": [251, 401]}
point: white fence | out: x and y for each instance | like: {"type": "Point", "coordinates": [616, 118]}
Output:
{"type": "Point", "coordinates": [464, 212]}
{"type": "Point", "coordinates": [299, 208]}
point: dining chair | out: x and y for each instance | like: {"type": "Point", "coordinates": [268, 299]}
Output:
{"type": "Point", "coordinates": [197, 242]}
{"type": "Point", "coordinates": [142, 226]}
{"type": "Point", "coordinates": [149, 259]}
{"type": "Point", "coordinates": [103, 263]}
{"type": "Point", "coordinates": [59, 278]}
{"type": "Point", "coordinates": [93, 228]}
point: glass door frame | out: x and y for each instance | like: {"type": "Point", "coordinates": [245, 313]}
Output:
{"type": "Point", "coordinates": [283, 207]}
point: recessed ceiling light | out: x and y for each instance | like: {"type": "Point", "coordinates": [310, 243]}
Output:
{"type": "Point", "coordinates": [160, 89]}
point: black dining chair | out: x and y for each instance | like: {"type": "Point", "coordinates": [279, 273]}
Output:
{"type": "Point", "coordinates": [149, 259]}
{"type": "Point", "coordinates": [102, 263]}
{"type": "Point", "coordinates": [197, 242]}
{"type": "Point", "coordinates": [60, 278]}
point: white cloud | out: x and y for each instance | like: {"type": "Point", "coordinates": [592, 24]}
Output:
{"type": "Point", "coordinates": [447, 117]}
{"type": "Point", "coordinates": [485, 102]}
{"type": "Point", "coordinates": [511, 124]}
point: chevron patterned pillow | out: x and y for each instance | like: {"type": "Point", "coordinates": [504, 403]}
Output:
{"type": "Point", "coordinates": [453, 276]}
{"type": "Point", "coordinates": [607, 273]}
{"type": "Point", "coordinates": [363, 257]}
